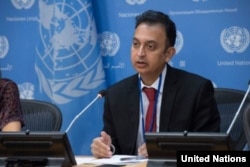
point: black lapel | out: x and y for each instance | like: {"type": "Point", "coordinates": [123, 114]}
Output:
{"type": "Point", "coordinates": [168, 98]}
{"type": "Point", "coordinates": [133, 113]}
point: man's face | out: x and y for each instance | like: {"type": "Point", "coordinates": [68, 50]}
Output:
{"type": "Point", "coordinates": [148, 50]}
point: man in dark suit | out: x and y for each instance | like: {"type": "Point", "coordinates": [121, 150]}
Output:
{"type": "Point", "coordinates": [183, 101]}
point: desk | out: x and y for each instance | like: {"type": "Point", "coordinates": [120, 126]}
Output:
{"type": "Point", "coordinates": [141, 164]}
{"type": "Point", "coordinates": [86, 161]}
{"type": "Point", "coordinates": [81, 163]}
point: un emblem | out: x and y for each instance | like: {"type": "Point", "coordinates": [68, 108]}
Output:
{"type": "Point", "coordinates": [179, 41]}
{"type": "Point", "coordinates": [109, 43]}
{"type": "Point", "coordinates": [234, 39]}
{"type": "Point", "coordinates": [4, 46]}
{"type": "Point", "coordinates": [26, 90]}
{"type": "Point", "coordinates": [23, 4]}
{"type": "Point", "coordinates": [69, 64]}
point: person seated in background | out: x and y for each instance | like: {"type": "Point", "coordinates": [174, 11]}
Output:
{"type": "Point", "coordinates": [183, 100]}
{"type": "Point", "coordinates": [11, 116]}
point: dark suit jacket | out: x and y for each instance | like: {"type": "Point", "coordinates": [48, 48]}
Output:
{"type": "Point", "coordinates": [187, 104]}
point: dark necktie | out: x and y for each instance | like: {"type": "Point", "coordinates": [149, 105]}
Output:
{"type": "Point", "coordinates": [150, 92]}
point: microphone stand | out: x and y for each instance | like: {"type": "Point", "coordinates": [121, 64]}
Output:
{"type": "Point", "coordinates": [238, 111]}
{"type": "Point", "coordinates": [78, 115]}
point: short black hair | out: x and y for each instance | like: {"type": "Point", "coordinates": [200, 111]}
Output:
{"type": "Point", "coordinates": [157, 17]}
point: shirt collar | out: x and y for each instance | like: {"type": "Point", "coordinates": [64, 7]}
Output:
{"type": "Point", "coordinates": [156, 83]}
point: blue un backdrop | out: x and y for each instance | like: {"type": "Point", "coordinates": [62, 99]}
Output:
{"type": "Point", "coordinates": [67, 51]}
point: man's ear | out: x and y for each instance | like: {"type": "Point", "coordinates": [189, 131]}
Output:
{"type": "Point", "coordinates": [170, 53]}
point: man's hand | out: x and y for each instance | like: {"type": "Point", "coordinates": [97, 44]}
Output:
{"type": "Point", "coordinates": [142, 150]}
{"type": "Point", "coordinates": [100, 146]}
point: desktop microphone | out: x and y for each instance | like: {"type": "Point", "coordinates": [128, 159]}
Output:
{"type": "Point", "coordinates": [240, 107]}
{"type": "Point", "coordinates": [101, 94]}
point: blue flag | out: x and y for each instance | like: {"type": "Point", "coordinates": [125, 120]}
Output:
{"type": "Point", "coordinates": [69, 67]}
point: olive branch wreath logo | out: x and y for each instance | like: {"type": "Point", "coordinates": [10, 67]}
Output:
{"type": "Point", "coordinates": [63, 92]}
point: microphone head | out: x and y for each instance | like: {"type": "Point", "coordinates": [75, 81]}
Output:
{"type": "Point", "coordinates": [102, 93]}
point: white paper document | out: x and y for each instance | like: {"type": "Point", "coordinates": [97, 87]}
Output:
{"type": "Point", "coordinates": [115, 160]}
